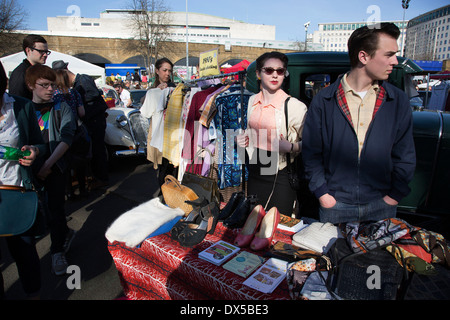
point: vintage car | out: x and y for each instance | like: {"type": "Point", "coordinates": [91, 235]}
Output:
{"type": "Point", "coordinates": [137, 97]}
{"type": "Point", "coordinates": [126, 129]}
{"type": "Point", "coordinates": [430, 187]}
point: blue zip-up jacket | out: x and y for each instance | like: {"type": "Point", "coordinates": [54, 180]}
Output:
{"type": "Point", "coordinates": [330, 149]}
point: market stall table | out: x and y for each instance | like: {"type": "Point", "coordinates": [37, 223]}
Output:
{"type": "Point", "coordinates": [161, 269]}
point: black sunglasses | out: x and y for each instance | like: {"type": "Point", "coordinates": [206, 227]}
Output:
{"type": "Point", "coordinates": [41, 51]}
{"type": "Point", "coordinates": [270, 70]}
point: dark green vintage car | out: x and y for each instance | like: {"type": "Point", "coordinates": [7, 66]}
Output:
{"type": "Point", "coordinates": [428, 204]}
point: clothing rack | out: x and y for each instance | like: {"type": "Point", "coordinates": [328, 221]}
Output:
{"type": "Point", "coordinates": [241, 76]}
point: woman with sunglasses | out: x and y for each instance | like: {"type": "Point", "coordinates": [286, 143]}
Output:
{"type": "Point", "coordinates": [267, 139]}
{"type": "Point", "coordinates": [58, 124]}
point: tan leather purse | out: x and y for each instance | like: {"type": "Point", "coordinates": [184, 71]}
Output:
{"type": "Point", "coordinates": [176, 194]}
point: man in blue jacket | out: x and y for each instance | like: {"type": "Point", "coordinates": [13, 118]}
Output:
{"type": "Point", "coordinates": [358, 146]}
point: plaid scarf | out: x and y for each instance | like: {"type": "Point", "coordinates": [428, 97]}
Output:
{"type": "Point", "coordinates": [342, 102]}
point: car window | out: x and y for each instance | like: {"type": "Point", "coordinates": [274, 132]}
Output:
{"type": "Point", "coordinates": [137, 95]}
{"type": "Point", "coordinates": [313, 83]}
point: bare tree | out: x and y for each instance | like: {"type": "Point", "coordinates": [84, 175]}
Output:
{"type": "Point", "coordinates": [12, 18]}
{"type": "Point", "coordinates": [149, 22]}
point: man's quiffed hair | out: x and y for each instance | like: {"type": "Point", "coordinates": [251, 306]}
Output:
{"type": "Point", "coordinates": [30, 40]}
{"type": "Point", "coordinates": [366, 39]}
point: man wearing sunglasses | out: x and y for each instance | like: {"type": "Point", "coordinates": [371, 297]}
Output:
{"type": "Point", "coordinates": [358, 145]}
{"type": "Point", "coordinates": [36, 49]}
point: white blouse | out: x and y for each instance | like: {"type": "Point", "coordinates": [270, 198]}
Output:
{"type": "Point", "coordinates": [9, 136]}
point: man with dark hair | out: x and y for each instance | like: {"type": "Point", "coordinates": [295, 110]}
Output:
{"type": "Point", "coordinates": [358, 146]}
{"type": "Point", "coordinates": [36, 49]}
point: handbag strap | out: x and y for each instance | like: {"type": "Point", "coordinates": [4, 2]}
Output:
{"type": "Point", "coordinates": [10, 187]}
{"type": "Point", "coordinates": [286, 116]}
{"type": "Point", "coordinates": [197, 155]}
{"type": "Point", "coordinates": [174, 180]}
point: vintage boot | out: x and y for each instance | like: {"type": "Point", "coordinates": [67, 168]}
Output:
{"type": "Point", "coordinates": [238, 217]}
{"type": "Point", "coordinates": [235, 199]}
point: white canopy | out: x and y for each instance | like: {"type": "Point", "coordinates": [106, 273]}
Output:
{"type": "Point", "coordinates": [75, 65]}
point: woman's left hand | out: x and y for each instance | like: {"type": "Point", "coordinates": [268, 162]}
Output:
{"type": "Point", "coordinates": [28, 161]}
{"type": "Point", "coordinates": [284, 146]}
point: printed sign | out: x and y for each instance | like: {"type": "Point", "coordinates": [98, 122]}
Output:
{"type": "Point", "coordinates": [209, 63]}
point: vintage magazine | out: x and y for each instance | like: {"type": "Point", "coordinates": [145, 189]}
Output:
{"type": "Point", "coordinates": [219, 252]}
{"type": "Point", "coordinates": [244, 263]}
{"type": "Point", "coordinates": [268, 276]}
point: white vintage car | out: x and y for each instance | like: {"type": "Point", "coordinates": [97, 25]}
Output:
{"type": "Point", "coordinates": [126, 129]}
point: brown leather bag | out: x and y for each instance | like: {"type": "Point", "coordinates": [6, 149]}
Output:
{"type": "Point", "coordinates": [176, 194]}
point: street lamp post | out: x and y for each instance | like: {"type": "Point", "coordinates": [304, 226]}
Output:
{"type": "Point", "coordinates": [187, 43]}
{"type": "Point", "coordinates": [306, 25]}
{"type": "Point", "coordinates": [405, 5]}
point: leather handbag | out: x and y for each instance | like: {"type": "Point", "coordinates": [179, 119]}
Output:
{"type": "Point", "coordinates": [175, 194]}
{"type": "Point", "coordinates": [18, 209]}
{"type": "Point", "coordinates": [203, 186]}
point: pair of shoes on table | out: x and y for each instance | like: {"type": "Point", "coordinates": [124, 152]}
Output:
{"type": "Point", "coordinates": [240, 207]}
{"type": "Point", "coordinates": [192, 217]}
{"type": "Point", "coordinates": [258, 229]}
{"type": "Point", "coordinates": [201, 221]}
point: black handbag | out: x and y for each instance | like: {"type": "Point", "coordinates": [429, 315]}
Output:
{"type": "Point", "coordinates": [294, 179]}
{"type": "Point", "coordinates": [353, 275]}
{"type": "Point", "coordinates": [18, 209]}
{"type": "Point", "coordinates": [203, 186]}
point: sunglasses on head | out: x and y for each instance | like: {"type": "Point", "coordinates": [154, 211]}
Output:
{"type": "Point", "coordinates": [279, 71]}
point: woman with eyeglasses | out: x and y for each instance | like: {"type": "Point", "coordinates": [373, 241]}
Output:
{"type": "Point", "coordinates": [267, 139]}
{"type": "Point", "coordinates": [58, 124]}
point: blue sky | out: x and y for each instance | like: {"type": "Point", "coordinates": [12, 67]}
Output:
{"type": "Point", "coordinates": [288, 16]}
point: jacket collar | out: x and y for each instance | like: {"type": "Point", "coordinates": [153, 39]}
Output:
{"type": "Point", "coordinates": [329, 94]}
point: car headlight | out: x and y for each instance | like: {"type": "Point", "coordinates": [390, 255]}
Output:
{"type": "Point", "coordinates": [122, 121]}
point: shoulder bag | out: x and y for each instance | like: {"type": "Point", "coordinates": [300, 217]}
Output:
{"type": "Point", "coordinates": [294, 179]}
{"type": "Point", "coordinates": [203, 186]}
{"type": "Point", "coordinates": [18, 209]}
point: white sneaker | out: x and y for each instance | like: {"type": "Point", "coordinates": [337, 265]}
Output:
{"type": "Point", "coordinates": [59, 263]}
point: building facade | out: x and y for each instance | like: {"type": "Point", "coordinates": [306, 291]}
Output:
{"type": "Point", "coordinates": [334, 36]}
{"type": "Point", "coordinates": [203, 28]}
{"type": "Point", "coordinates": [427, 37]}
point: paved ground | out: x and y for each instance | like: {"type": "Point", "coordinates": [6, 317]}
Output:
{"type": "Point", "coordinates": [132, 182]}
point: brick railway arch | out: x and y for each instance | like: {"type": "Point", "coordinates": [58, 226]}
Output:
{"type": "Point", "coordinates": [112, 50]}
{"type": "Point", "coordinates": [93, 58]}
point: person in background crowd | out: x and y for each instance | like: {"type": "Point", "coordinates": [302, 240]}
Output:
{"type": "Point", "coordinates": [128, 76]}
{"type": "Point", "coordinates": [36, 49]}
{"type": "Point", "coordinates": [65, 93]}
{"type": "Point", "coordinates": [95, 120]}
{"type": "Point", "coordinates": [57, 123]}
{"type": "Point", "coordinates": [163, 79]}
{"type": "Point", "coordinates": [358, 146]}
{"type": "Point", "coordinates": [19, 128]}
{"type": "Point", "coordinates": [267, 137]}
{"type": "Point", "coordinates": [136, 77]}
{"type": "Point", "coordinates": [124, 94]}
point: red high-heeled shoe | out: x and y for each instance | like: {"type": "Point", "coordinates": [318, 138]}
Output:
{"type": "Point", "coordinates": [250, 227]}
{"type": "Point", "coordinates": [263, 238]}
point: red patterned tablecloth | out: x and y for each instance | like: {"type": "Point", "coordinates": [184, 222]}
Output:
{"type": "Point", "coordinates": [161, 269]}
